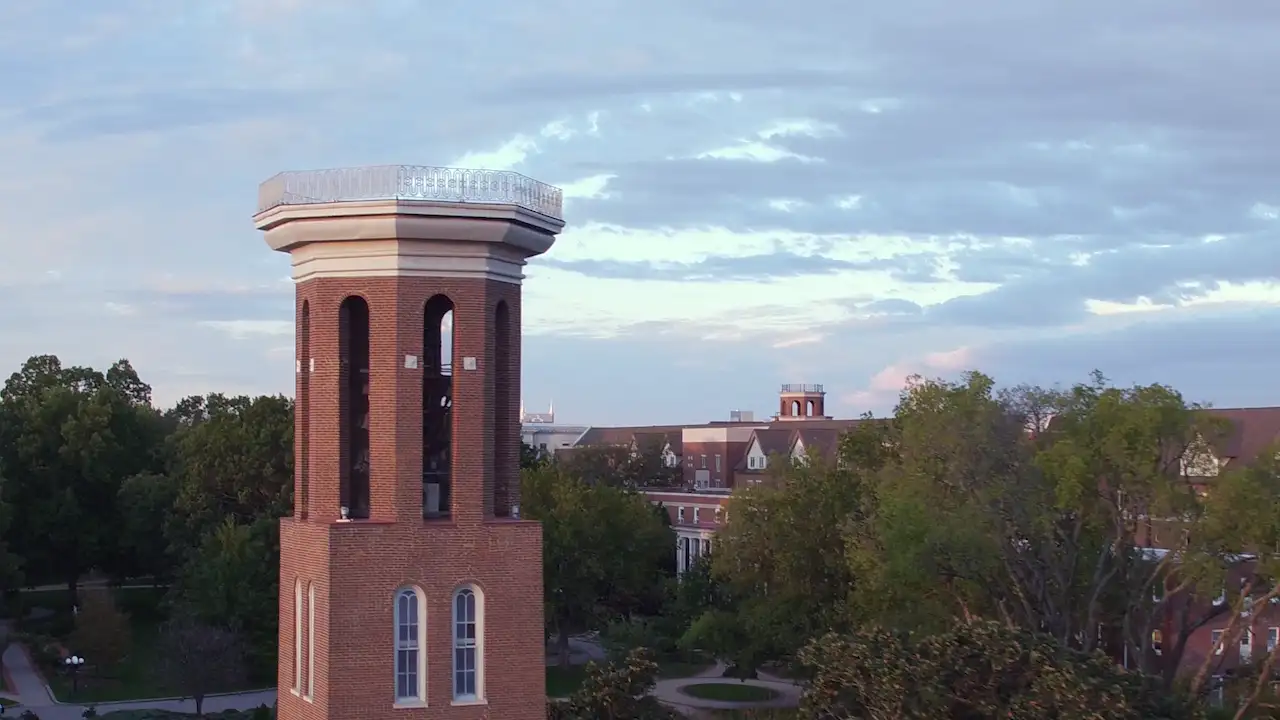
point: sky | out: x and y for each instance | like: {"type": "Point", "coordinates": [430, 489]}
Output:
{"type": "Point", "coordinates": [757, 192]}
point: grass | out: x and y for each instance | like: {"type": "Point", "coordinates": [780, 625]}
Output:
{"type": "Point", "coordinates": [562, 681]}
{"type": "Point", "coordinates": [729, 692]}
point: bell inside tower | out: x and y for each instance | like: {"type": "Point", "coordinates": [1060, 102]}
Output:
{"type": "Point", "coordinates": [437, 407]}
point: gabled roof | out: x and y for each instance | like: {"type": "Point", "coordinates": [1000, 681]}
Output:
{"type": "Point", "coordinates": [824, 441]}
{"type": "Point", "coordinates": [1251, 430]}
{"type": "Point", "coordinates": [663, 438]}
{"type": "Point", "coordinates": [770, 441]}
{"type": "Point", "coordinates": [628, 435]}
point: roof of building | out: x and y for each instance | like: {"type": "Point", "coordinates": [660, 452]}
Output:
{"type": "Point", "coordinates": [1250, 431]}
{"type": "Point", "coordinates": [636, 434]}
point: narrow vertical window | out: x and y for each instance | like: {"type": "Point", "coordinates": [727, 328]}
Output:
{"type": "Point", "coordinates": [303, 412]}
{"type": "Point", "coordinates": [505, 451]}
{"type": "Point", "coordinates": [410, 675]}
{"type": "Point", "coordinates": [297, 636]}
{"type": "Point", "coordinates": [467, 654]}
{"type": "Point", "coordinates": [437, 406]}
{"type": "Point", "coordinates": [311, 639]}
{"type": "Point", "coordinates": [353, 346]}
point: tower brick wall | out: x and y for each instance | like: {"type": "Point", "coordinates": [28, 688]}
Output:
{"type": "Point", "coordinates": [397, 258]}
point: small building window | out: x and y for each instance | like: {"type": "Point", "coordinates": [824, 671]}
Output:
{"type": "Point", "coordinates": [719, 516]}
{"type": "Point", "coordinates": [702, 462]}
{"type": "Point", "coordinates": [467, 659]}
{"type": "Point", "coordinates": [410, 673]}
{"type": "Point", "coordinates": [680, 515]}
{"type": "Point", "coordinates": [1216, 638]}
{"type": "Point", "coordinates": [695, 516]}
{"type": "Point", "coordinates": [717, 463]}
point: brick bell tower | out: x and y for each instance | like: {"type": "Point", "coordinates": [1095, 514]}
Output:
{"type": "Point", "coordinates": [409, 585]}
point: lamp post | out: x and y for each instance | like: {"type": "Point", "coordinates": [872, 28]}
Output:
{"type": "Point", "coordinates": [73, 665]}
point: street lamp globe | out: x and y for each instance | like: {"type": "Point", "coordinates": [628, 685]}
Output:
{"type": "Point", "coordinates": [74, 660]}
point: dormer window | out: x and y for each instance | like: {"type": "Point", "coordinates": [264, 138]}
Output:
{"type": "Point", "coordinates": [1199, 460]}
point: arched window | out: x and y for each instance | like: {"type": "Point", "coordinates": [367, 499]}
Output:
{"type": "Point", "coordinates": [353, 399]}
{"type": "Point", "coordinates": [795, 408]}
{"type": "Point", "coordinates": [297, 636]}
{"type": "Point", "coordinates": [304, 411]}
{"type": "Point", "coordinates": [504, 414]}
{"type": "Point", "coordinates": [411, 676]}
{"type": "Point", "coordinates": [311, 640]}
{"type": "Point", "coordinates": [468, 645]}
{"type": "Point", "coordinates": [437, 406]}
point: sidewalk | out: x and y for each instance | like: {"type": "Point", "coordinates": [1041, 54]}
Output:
{"type": "Point", "coordinates": [668, 692]}
{"type": "Point", "coordinates": [29, 690]}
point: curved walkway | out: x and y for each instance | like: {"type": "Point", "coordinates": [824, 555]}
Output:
{"type": "Point", "coordinates": [669, 693]}
{"type": "Point", "coordinates": [29, 690]}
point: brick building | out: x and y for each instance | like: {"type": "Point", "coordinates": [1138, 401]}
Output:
{"type": "Point", "coordinates": [717, 457]}
{"type": "Point", "coordinates": [410, 587]}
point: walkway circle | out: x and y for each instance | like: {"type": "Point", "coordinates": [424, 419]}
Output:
{"type": "Point", "coordinates": [735, 692]}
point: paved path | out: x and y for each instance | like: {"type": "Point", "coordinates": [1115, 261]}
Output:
{"type": "Point", "coordinates": [668, 691]}
{"type": "Point", "coordinates": [30, 691]}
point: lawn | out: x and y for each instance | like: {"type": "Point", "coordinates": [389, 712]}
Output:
{"type": "Point", "coordinates": [729, 692]}
{"type": "Point", "coordinates": [561, 681]}
{"type": "Point", "coordinates": [136, 678]}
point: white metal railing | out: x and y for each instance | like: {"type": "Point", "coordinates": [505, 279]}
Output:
{"type": "Point", "coordinates": [410, 182]}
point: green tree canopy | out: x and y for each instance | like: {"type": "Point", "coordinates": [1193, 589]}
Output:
{"type": "Point", "coordinates": [603, 549]}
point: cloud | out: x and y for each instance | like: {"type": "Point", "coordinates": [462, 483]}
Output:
{"type": "Point", "coordinates": [755, 193]}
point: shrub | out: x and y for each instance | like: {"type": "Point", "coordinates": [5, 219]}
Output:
{"type": "Point", "coordinates": [617, 691]}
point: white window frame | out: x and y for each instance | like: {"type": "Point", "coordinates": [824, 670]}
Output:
{"type": "Point", "coordinates": [695, 515]}
{"type": "Point", "coordinates": [475, 644]}
{"type": "Point", "coordinates": [719, 516]}
{"type": "Point", "coordinates": [297, 637]}
{"type": "Point", "coordinates": [412, 649]}
{"type": "Point", "coordinates": [680, 514]}
{"type": "Point", "coordinates": [311, 642]}
{"type": "Point", "coordinates": [1215, 637]}
{"type": "Point", "coordinates": [717, 462]}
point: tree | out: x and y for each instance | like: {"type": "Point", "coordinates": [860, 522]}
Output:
{"type": "Point", "coordinates": [617, 691]}
{"type": "Point", "coordinates": [976, 671]}
{"type": "Point", "coordinates": [603, 549]}
{"type": "Point", "coordinates": [599, 464]}
{"type": "Point", "coordinates": [146, 501]}
{"type": "Point", "coordinates": [72, 435]}
{"type": "Point", "coordinates": [986, 508]}
{"type": "Point", "coordinates": [232, 581]}
{"type": "Point", "coordinates": [779, 561]}
{"type": "Point", "coordinates": [531, 457]}
{"type": "Point", "coordinates": [231, 457]}
{"type": "Point", "coordinates": [199, 658]}
{"type": "Point", "coordinates": [101, 633]}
